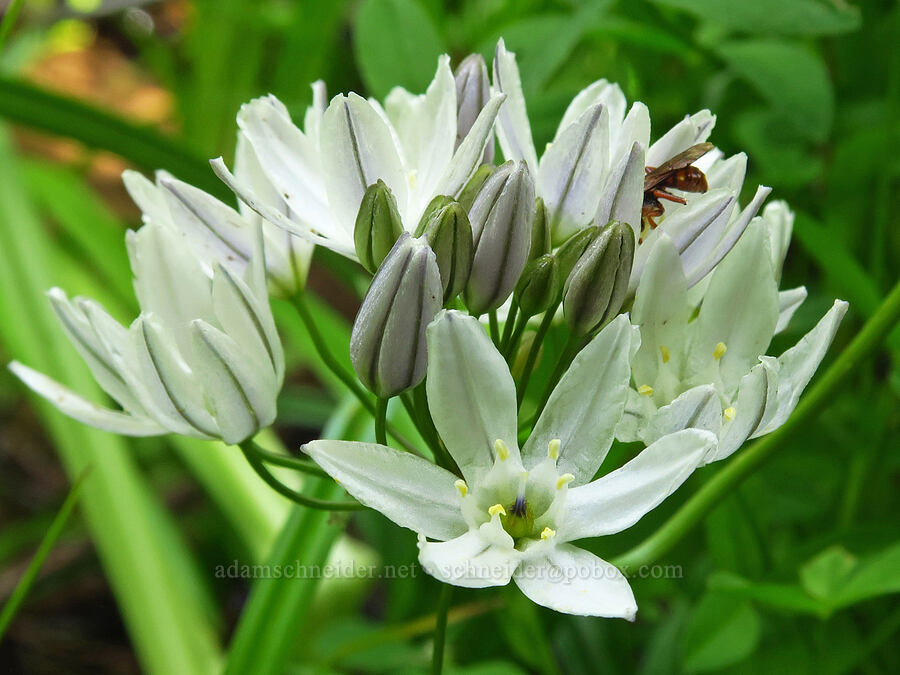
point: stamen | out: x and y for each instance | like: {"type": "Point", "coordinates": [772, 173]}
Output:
{"type": "Point", "coordinates": [497, 510]}
{"type": "Point", "coordinates": [548, 533]}
{"type": "Point", "coordinates": [665, 353]}
{"type": "Point", "coordinates": [553, 449]}
{"type": "Point", "coordinates": [645, 390]}
{"type": "Point", "coordinates": [462, 487]}
{"type": "Point", "coordinates": [730, 413]}
{"type": "Point", "coordinates": [719, 351]}
{"type": "Point", "coordinates": [501, 449]}
{"type": "Point", "coordinates": [563, 480]}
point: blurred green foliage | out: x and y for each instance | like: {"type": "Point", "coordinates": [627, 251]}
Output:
{"type": "Point", "coordinates": [796, 571]}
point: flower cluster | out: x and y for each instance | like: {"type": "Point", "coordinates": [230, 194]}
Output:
{"type": "Point", "coordinates": [529, 313]}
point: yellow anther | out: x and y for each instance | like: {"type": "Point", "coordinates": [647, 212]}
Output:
{"type": "Point", "coordinates": [565, 479]}
{"type": "Point", "coordinates": [645, 390]}
{"type": "Point", "coordinates": [501, 449]}
{"type": "Point", "coordinates": [719, 351]}
{"type": "Point", "coordinates": [462, 487]}
{"type": "Point", "coordinates": [730, 413]}
{"type": "Point", "coordinates": [548, 533]}
{"type": "Point", "coordinates": [497, 510]}
{"type": "Point", "coordinates": [553, 449]}
{"type": "Point", "coordinates": [665, 353]}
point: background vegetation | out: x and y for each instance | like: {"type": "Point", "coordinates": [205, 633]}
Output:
{"type": "Point", "coordinates": [794, 571]}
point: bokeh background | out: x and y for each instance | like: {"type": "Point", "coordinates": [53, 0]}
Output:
{"type": "Point", "coordinates": [793, 572]}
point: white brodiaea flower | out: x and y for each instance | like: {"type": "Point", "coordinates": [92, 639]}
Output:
{"type": "Point", "coordinates": [203, 358]}
{"type": "Point", "coordinates": [707, 368]}
{"type": "Point", "coordinates": [593, 171]}
{"type": "Point", "coordinates": [322, 175]}
{"type": "Point", "coordinates": [513, 514]}
{"type": "Point", "coordinates": [219, 234]}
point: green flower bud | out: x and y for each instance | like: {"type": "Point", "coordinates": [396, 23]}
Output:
{"type": "Point", "coordinates": [473, 89]}
{"type": "Point", "coordinates": [573, 248]}
{"type": "Point", "coordinates": [473, 187]}
{"type": "Point", "coordinates": [387, 344]}
{"type": "Point", "coordinates": [501, 218]}
{"type": "Point", "coordinates": [540, 232]}
{"type": "Point", "coordinates": [539, 286]}
{"type": "Point", "coordinates": [433, 207]}
{"type": "Point", "coordinates": [378, 226]}
{"type": "Point", "coordinates": [598, 284]}
{"type": "Point", "coordinates": [449, 234]}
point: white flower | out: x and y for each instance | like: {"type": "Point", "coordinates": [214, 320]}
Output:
{"type": "Point", "coordinates": [203, 358]}
{"type": "Point", "coordinates": [219, 234]}
{"type": "Point", "coordinates": [513, 514]}
{"type": "Point", "coordinates": [711, 371]}
{"type": "Point", "coordinates": [322, 173]}
{"type": "Point", "coordinates": [598, 144]}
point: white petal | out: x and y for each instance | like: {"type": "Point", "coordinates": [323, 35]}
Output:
{"type": "Point", "coordinates": [692, 129]}
{"type": "Point", "coordinates": [634, 129]}
{"type": "Point", "coordinates": [697, 408]}
{"type": "Point", "coordinates": [83, 410]}
{"type": "Point", "coordinates": [468, 155]}
{"type": "Point", "coordinates": [619, 499]}
{"type": "Point", "coordinates": [744, 280]}
{"type": "Point", "coordinates": [725, 173]}
{"type": "Point", "coordinates": [571, 169]}
{"type": "Point", "coordinates": [473, 560]}
{"type": "Point", "coordinates": [622, 194]}
{"type": "Point", "coordinates": [799, 363]}
{"type": "Point", "coordinates": [513, 129]}
{"type": "Point", "coordinates": [471, 395]}
{"type": "Point", "coordinates": [780, 224]}
{"type": "Point", "coordinates": [586, 405]}
{"type": "Point", "coordinates": [788, 303]}
{"type": "Point", "coordinates": [148, 197]}
{"type": "Point", "coordinates": [756, 395]}
{"type": "Point", "coordinates": [601, 91]}
{"type": "Point", "coordinates": [409, 490]}
{"type": "Point", "coordinates": [358, 148]}
{"type": "Point", "coordinates": [571, 580]}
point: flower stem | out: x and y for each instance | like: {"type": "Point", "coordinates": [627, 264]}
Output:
{"type": "Point", "coordinates": [296, 463]}
{"type": "Point", "coordinates": [573, 346]}
{"type": "Point", "coordinates": [534, 351]}
{"type": "Point", "coordinates": [495, 327]}
{"type": "Point", "coordinates": [508, 325]}
{"type": "Point", "coordinates": [747, 461]}
{"type": "Point", "coordinates": [440, 629]}
{"type": "Point", "coordinates": [381, 420]}
{"type": "Point", "coordinates": [247, 447]}
{"type": "Point", "coordinates": [346, 378]}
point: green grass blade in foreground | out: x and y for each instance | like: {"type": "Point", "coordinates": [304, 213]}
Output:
{"type": "Point", "coordinates": [148, 565]}
{"type": "Point", "coordinates": [17, 597]}
{"type": "Point", "coordinates": [42, 110]}
{"type": "Point", "coordinates": [746, 461]}
{"type": "Point", "coordinates": [274, 614]}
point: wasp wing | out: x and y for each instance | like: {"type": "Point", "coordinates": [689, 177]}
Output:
{"type": "Point", "coordinates": [679, 161]}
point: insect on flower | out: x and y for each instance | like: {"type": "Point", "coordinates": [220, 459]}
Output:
{"type": "Point", "coordinates": [677, 173]}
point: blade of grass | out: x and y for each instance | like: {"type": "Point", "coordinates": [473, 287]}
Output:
{"type": "Point", "coordinates": [143, 146]}
{"type": "Point", "coordinates": [160, 594]}
{"type": "Point", "coordinates": [47, 543]}
{"type": "Point", "coordinates": [9, 19]}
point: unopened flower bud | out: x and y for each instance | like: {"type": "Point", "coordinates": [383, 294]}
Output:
{"type": "Point", "coordinates": [473, 187]}
{"type": "Point", "coordinates": [387, 345]}
{"type": "Point", "coordinates": [472, 93]}
{"type": "Point", "coordinates": [539, 286]}
{"type": "Point", "coordinates": [433, 207]}
{"type": "Point", "coordinates": [573, 248]}
{"type": "Point", "coordinates": [598, 284]}
{"type": "Point", "coordinates": [501, 229]}
{"type": "Point", "coordinates": [449, 234]}
{"type": "Point", "coordinates": [540, 232]}
{"type": "Point", "coordinates": [378, 226]}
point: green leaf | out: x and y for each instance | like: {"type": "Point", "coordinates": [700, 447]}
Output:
{"type": "Point", "coordinates": [722, 631]}
{"type": "Point", "coordinates": [824, 576]}
{"type": "Point", "coordinates": [396, 44]}
{"type": "Point", "coordinates": [784, 597]}
{"type": "Point", "coordinates": [795, 17]}
{"type": "Point", "coordinates": [792, 78]}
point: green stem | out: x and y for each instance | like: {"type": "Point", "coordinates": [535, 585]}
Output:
{"type": "Point", "coordinates": [534, 351]}
{"type": "Point", "coordinates": [297, 497]}
{"type": "Point", "coordinates": [17, 597]}
{"type": "Point", "coordinates": [296, 463]}
{"type": "Point", "coordinates": [495, 327]}
{"type": "Point", "coordinates": [509, 350]}
{"type": "Point", "coordinates": [346, 378]}
{"type": "Point", "coordinates": [509, 325]}
{"type": "Point", "coordinates": [747, 461]}
{"type": "Point", "coordinates": [573, 346]}
{"type": "Point", "coordinates": [440, 629]}
{"type": "Point", "coordinates": [381, 420]}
